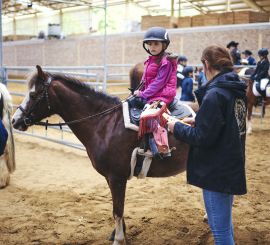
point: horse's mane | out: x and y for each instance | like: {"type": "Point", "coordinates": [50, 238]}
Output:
{"type": "Point", "coordinates": [135, 75]}
{"type": "Point", "coordinates": [84, 88]}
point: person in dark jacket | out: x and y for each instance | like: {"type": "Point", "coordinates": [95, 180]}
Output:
{"type": "Point", "coordinates": [262, 68]}
{"type": "Point", "coordinates": [216, 161]}
{"type": "Point", "coordinates": [248, 57]}
{"type": "Point", "coordinates": [201, 77]}
{"type": "Point", "coordinates": [235, 53]}
{"type": "Point", "coordinates": [261, 72]}
{"type": "Point", "coordinates": [187, 84]}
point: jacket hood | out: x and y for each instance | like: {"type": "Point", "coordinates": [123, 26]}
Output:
{"type": "Point", "coordinates": [231, 81]}
{"type": "Point", "coordinates": [227, 80]}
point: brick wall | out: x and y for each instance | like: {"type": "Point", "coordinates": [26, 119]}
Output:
{"type": "Point", "coordinates": [127, 48]}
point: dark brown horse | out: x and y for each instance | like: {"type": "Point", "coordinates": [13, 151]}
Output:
{"type": "Point", "coordinates": [109, 145]}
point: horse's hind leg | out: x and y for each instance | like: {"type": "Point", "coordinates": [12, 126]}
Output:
{"type": "Point", "coordinates": [118, 189]}
{"type": "Point", "coordinates": [249, 114]}
{"type": "Point", "coordinates": [4, 173]}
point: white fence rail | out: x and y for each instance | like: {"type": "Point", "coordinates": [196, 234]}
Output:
{"type": "Point", "coordinates": [92, 75]}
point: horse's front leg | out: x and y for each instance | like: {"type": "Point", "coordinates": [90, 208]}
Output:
{"type": "Point", "coordinates": [118, 189]}
{"type": "Point", "coordinates": [249, 126]}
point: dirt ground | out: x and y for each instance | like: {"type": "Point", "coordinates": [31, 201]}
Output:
{"type": "Point", "coordinates": [56, 197]}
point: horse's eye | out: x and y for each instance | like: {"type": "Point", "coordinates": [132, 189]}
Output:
{"type": "Point", "coordinates": [32, 95]}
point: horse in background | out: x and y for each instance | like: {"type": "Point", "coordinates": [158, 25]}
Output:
{"type": "Point", "coordinates": [252, 100]}
{"type": "Point", "coordinates": [135, 75]}
{"type": "Point", "coordinates": [7, 160]}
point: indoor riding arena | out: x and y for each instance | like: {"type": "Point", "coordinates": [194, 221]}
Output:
{"type": "Point", "coordinates": [56, 195]}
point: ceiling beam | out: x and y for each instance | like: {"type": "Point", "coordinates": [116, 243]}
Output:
{"type": "Point", "coordinates": [253, 5]}
{"type": "Point", "coordinates": [220, 4]}
{"type": "Point", "coordinates": [196, 6]}
{"type": "Point", "coordinates": [263, 3]}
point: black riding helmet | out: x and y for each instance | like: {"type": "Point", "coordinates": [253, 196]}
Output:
{"type": "Point", "coordinates": [156, 34]}
{"type": "Point", "coordinates": [182, 58]}
{"type": "Point", "coordinates": [187, 70]}
{"type": "Point", "coordinates": [263, 52]}
{"type": "Point", "coordinates": [247, 52]}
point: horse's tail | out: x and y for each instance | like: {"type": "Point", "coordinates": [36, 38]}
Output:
{"type": "Point", "coordinates": [135, 75]}
{"type": "Point", "coordinates": [6, 113]}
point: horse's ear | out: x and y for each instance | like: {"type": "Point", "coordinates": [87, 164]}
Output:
{"type": "Point", "coordinates": [41, 74]}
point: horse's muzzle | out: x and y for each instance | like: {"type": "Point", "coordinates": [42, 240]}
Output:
{"type": "Point", "coordinates": [20, 124]}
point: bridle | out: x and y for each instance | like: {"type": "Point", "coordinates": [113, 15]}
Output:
{"type": "Point", "coordinates": [28, 117]}
{"type": "Point", "coordinates": [29, 120]}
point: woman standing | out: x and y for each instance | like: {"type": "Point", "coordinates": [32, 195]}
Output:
{"type": "Point", "coordinates": [216, 161]}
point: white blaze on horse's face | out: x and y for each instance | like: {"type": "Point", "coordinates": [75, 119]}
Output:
{"type": "Point", "coordinates": [18, 113]}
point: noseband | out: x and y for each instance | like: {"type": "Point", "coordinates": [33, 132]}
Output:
{"type": "Point", "coordinates": [28, 116]}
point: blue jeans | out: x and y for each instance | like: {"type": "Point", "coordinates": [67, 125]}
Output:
{"type": "Point", "coordinates": [219, 211]}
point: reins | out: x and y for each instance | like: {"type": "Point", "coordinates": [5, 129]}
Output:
{"type": "Point", "coordinates": [28, 121]}
{"type": "Point", "coordinates": [46, 124]}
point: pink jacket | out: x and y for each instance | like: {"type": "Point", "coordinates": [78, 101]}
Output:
{"type": "Point", "coordinates": [160, 79]}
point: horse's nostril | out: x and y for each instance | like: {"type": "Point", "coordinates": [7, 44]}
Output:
{"type": "Point", "coordinates": [13, 121]}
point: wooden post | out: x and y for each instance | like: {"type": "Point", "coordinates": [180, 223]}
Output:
{"type": "Point", "coordinates": [179, 8]}
{"type": "Point", "coordinates": [172, 8]}
{"type": "Point", "coordinates": [228, 5]}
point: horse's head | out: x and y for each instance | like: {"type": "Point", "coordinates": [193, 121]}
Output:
{"type": "Point", "coordinates": [36, 104]}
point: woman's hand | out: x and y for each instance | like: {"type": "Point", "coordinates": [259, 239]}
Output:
{"type": "Point", "coordinates": [171, 122]}
{"type": "Point", "coordinates": [190, 121]}
{"type": "Point", "coordinates": [136, 93]}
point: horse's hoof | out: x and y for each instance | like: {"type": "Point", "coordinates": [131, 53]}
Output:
{"type": "Point", "coordinates": [4, 175]}
{"type": "Point", "coordinates": [119, 242]}
{"type": "Point", "coordinates": [111, 237]}
{"type": "Point", "coordinates": [205, 218]}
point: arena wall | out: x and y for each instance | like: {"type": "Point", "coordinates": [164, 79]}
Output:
{"type": "Point", "coordinates": [127, 48]}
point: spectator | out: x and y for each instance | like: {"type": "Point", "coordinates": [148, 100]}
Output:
{"type": "Point", "coordinates": [201, 77]}
{"type": "Point", "coordinates": [234, 52]}
{"type": "Point", "coordinates": [181, 64]}
{"type": "Point", "coordinates": [248, 56]}
{"type": "Point", "coordinates": [187, 85]}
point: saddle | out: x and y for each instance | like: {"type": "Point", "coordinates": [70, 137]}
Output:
{"type": "Point", "coordinates": [153, 145]}
{"type": "Point", "coordinates": [136, 105]}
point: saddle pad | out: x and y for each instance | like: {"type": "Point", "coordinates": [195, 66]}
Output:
{"type": "Point", "coordinates": [135, 114]}
{"type": "Point", "coordinates": [179, 110]}
{"type": "Point", "coordinates": [261, 90]}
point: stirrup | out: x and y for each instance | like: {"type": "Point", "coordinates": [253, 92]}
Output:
{"type": "Point", "coordinates": [169, 153]}
{"type": "Point", "coordinates": [147, 153]}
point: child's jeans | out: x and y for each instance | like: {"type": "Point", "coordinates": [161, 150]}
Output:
{"type": "Point", "coordinates": [219, 211]}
